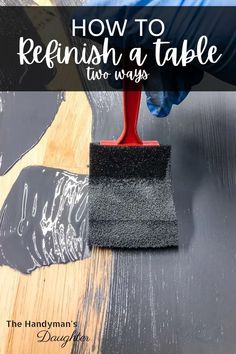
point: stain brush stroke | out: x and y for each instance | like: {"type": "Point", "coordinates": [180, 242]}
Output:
{"type": "Point", "coordinates": [44, 219]}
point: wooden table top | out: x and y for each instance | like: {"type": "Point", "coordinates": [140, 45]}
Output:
{"type": "Point", "coordinates": [149, 301]}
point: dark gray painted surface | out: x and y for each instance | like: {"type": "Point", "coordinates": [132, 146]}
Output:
{"type": "Point", "coordinates": [181, 302]}
{"type": "Point", "coordinates": [24, 118]}
{"type": "Point", "coordinates": [163, 302]}
{"type": "Point", "coordinates": [44, 219]}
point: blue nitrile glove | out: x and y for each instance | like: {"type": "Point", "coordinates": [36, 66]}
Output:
{"type": "Point", "coordinates": [161, 102]}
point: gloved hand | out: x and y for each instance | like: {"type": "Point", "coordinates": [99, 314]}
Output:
{"type": "Point", "coordinates": [161, 102]}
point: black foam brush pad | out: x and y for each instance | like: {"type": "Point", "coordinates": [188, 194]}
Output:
{"type": "Point", "coordinates": [130, 197]}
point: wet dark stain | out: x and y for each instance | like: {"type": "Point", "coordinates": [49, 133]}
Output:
{"type": "Point", "coordinates": [183, 302]}
{"type": "Point", "coordinates": [44, 219]}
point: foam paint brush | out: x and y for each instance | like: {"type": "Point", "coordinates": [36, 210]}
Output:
{"type": "Point", "coordinates": [130, 191]}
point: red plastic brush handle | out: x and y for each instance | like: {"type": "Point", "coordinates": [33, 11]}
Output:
{"type": "Point", "coordinates": [131, 104]}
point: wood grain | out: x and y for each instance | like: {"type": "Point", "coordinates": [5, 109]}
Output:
{"type": "Point", "coordinates": [139, 302]}
{"type": "Point", "coordinates": [60, 292]}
